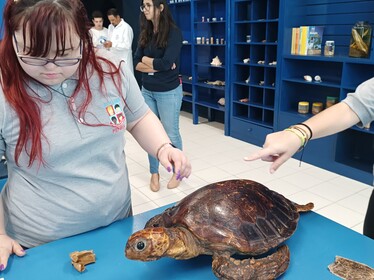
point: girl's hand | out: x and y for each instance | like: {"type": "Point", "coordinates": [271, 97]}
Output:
{"type": "Point", "coordinates": [173, 158]}
{"type": "Point", "coordinates": [8, 247]}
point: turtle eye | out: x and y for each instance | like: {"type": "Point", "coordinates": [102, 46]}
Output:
{"type": "Point", "coordinates": [156, 225]}
{"type": "Point", "coordinates": [140, 245]}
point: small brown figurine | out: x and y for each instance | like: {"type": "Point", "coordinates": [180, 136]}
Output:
{"type": "Point", "coordinates": [222, 219]}
{"type": "Point", "coordinates": [80, 259]}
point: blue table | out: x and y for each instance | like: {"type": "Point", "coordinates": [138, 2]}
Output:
{"type": "Point", "coordinates": [313, 246]}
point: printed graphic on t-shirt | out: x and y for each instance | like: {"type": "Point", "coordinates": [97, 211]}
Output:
{"type": "Point", "coordinates": [116, 115]}
{"type": "Point", "coordinates": [101, 40]}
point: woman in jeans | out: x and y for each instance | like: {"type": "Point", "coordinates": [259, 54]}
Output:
{"type": "Point", "coordinates": [157, 57]}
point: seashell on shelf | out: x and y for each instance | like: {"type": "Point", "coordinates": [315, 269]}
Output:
{"type": "Point", "coordinates": [216, 61]}
{"type": "Point", "coordinates": [318, 79]}
{"type": "Point", "coordinates": [308, 78]}
{"type": "Point", "coordinates": [221, 101]}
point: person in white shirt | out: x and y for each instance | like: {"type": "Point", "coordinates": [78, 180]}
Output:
{"type": "Point", "coordinates": [120, 38]}
{"type": "Point", "coordinates": [98, 32]}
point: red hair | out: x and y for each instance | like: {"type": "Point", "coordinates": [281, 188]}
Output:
{"type": "Point", "coordinates": [42, 21]}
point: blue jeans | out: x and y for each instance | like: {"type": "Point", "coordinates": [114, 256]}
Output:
{"type": "Point", "coordinates": [166, 105]}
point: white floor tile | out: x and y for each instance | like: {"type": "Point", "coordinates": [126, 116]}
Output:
{"type": "Point", "coordinates": [135, 168]}
{"type": "Point", "coordinates": [367, 192]}
{"type": "Point", "coordinates": [333, 192]}
{"type": "Point", "coordinates": [321, 173]}
{"type": "Point", "coordinates": [144, 207]}
{"type": "Point", "coordinates": [212, 174]}
{"type": "Point", "coordinates": [305, 197]}
{"type": "Point", "coordinates": [283, 187]}
{"type": "Point", "coordinates": [162, 193]}
{"type": "Point", "coordinates": [192, 182]}
{"type": "Point", "coordinates": [341, 215]}
{"type": "Point", "coordinates": [169, 199]}
{"type": "Point", "coordinates": [257, 175]}
{"type": "Point", "coordinates": [358, 228]}
{"type": "Point", "coordinates": [341, 180]}
{"type": "Point", "coordinates": [138, 197]}
{"type": "Point", "coordinates": [302, 180]}
{"type": "Point", "coordinates": [357, 203]}
{"type": "Point", "coordinates": [235, 167]}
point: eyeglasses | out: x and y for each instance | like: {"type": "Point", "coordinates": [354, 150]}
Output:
{"type": "Point", "coordinates": [41, 61]}
{"type": "Point", "coordinates": [145, 7]}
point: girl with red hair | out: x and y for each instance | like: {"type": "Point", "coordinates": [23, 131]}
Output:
{"type": "Point", "coordinates": [64, 110]}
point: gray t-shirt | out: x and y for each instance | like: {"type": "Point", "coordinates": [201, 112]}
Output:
{"type": "Point", "coordinates": [362, 103]}
{"type": "Point", "coordinates": [84, 184]}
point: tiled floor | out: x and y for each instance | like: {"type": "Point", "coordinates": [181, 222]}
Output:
{"type": "Point", "coordinates": [216, 157]}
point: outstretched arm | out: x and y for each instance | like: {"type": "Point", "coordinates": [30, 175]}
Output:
{"type": "Point", "coordinates": [282, 145]}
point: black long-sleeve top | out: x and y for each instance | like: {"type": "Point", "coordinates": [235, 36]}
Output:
{"type": "Point", "coordinates": [165, 79]}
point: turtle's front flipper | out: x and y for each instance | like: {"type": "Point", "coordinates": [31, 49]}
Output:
{"type": "Point", "coordinates": [271, 267]}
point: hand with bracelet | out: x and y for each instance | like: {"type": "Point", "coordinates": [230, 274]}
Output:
{"type": "Point", "coordinates": [356, 109]}
{"type": "Point", "coordinates": [282, 145]}
{"type": "Point", "coordinates": [173, 159]}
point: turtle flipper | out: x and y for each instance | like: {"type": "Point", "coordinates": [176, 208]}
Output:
{"type": "Point", "coordinates": [304, 208]}
{"type": "Point", "coordinates": [271, 267]}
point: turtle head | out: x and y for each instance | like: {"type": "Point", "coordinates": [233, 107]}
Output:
{"type": "Point", "coordinates": [148, 244]}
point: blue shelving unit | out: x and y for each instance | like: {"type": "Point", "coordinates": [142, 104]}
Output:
{"type": "Point", "coordinates": [182, 15]}
{"type": "Point", "coordinates": [262, 97]}
{"type": "Point", "coordinates": [350, 153]}
{"type": "Point", "coordinates": [207, 20]}
{"type": "Point", "coordinates": [210, 31]}
{"type": "Point", "coordinates": [254, 68]}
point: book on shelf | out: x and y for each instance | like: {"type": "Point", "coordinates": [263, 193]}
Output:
{"type": "Point", "coordinates": [295, 40]}
{"type": "Point", "coordinates": [303, 40]}
{"type": "Point", "coordinates": [307, 40]}
{"type": "Point", "coordinates": [314, 40]}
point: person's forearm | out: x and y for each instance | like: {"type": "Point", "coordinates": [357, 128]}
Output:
{"type": "Point", "coordinates": [148, 61]}
{"type": "Point", "coordinates": [149, 133]}
{"type": "Point", "coordinates": [141, 67]}
{"type": "Point", "coordinates": [332, 120]}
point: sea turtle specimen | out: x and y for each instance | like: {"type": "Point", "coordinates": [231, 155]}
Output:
{"type": "Point", "coordinates": [234, 217]}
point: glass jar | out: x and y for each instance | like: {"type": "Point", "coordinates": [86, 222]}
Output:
{"type": "Point", "coordinates": [303, 107]}
{"type": "Point", "coordinates": [330, 101]}
{"type": "Point", "coordinates": [360, 40]}
{"type": "Point", "coordinates": [329, 48]}
{"type": "Point", "coordinates": [317, 107]}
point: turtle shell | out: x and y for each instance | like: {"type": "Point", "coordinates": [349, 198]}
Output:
{"type": "Point", "coordinates": [237, 216]}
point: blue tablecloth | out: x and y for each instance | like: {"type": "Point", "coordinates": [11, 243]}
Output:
{"type": "Point", "coordinates": [313, 247]}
